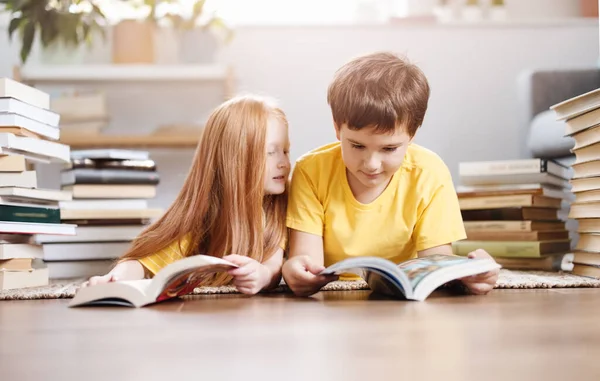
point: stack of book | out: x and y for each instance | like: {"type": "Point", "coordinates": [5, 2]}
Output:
{"type": "Point", "coordinates": [110, 189]}
{"type": "Point", "coordinates": [582, 122]}
{"type": "Point", "coordinates": [516, 210]}
{"type": "Point", "coordinates": [28, 134]}
{"type": "Point", "coordinates": [81, 113]}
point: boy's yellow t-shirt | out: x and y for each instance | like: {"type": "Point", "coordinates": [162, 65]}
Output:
{"type": "Point", "coordinates": [418, 210]}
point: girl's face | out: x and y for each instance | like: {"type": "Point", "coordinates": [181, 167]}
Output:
{"type": "Point", "coordinates": [278, 160]}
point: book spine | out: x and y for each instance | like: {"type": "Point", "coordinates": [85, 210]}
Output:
{"type": "Point", "coordinates": [497, 226]}
{"type": "Point", "coordinates": [472, 203]}
{"type": "Point", "coordinates": [108, 176]}
{"type": "Point", "coordinates": [26, 214]}
{"type": "Point", "coordinates": [557, 262]}
{"type": "Point", "coordinates": [500, 249]}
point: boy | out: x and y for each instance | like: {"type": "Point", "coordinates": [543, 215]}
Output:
{"type": "Point", "coordinates": [373, 193]}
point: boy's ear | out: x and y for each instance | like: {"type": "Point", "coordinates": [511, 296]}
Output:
{"type": "Point", "coordinates": [337, 131]}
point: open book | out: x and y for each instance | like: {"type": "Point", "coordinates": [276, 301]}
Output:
{"type": "Point", "coordinates": [177, 279]}
{"type": "Point", "coordinates": [414, 279]}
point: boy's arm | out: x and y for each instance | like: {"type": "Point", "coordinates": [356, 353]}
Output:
{"type": "Point", "coordinates": [301, 271]}
{"type": "Point", "coordinates": [443, 249]}
{"type": "Point", "coordinates": [306, 244]}
{"type": "Point", "coordinates": [305, 216]}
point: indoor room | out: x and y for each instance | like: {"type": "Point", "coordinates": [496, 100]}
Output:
{"type": "Point", "coordinates": [327, 188]}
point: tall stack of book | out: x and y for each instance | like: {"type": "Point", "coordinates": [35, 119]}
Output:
{"type": "Point", "coordinates": [516, 210]}
{"type": "Point", "coordinates": [582, 122]}
{"type": "Point", "coordinates": [28, 134]}
{"type": "Point", "coordinates": [81, 113]}
{"type": "Point", "coordinates": [110, 191]}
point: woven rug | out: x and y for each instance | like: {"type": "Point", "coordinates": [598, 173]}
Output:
{"type": "Point", "coordinates": [507, 279]}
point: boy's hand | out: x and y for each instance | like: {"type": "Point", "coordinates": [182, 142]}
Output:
{"type": "Point", "coordinates": [128, 270]}
{"type": "Point", "coordinates": [302, 276]}
{"type": "Point", "coordinates": [481, 284]}
{"type": "Point", "coordinates": [251, 276]}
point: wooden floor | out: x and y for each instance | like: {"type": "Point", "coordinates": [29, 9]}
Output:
{"type": "Point", "coordinates": [507, 335]}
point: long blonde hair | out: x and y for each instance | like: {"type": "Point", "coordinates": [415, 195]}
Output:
{"type": "Point", "coordinates": [222, 207]}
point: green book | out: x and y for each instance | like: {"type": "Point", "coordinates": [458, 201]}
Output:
{"type": "Point", "coordinates": [35, 214]}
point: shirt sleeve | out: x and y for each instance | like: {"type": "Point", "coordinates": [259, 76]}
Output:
{"type": "Point", "coordinates": [440, 222]}
{"type": "Point", "coordinates": [157, 261]}
{"type": "Point", "coordinates": [305, 211]}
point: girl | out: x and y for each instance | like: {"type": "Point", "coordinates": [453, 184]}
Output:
{"type": "Point", "coordinates": [233, 201]}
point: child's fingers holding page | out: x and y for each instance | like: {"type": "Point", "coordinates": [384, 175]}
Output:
{"type": "Point", "coordinates": [99, 280]}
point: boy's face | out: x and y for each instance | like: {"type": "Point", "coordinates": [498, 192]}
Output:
{"type": "Point", "coordinates": [372, 158]}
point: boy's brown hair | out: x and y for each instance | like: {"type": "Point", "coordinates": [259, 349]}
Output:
{"type": "Point", "coordinates": [379, 89]}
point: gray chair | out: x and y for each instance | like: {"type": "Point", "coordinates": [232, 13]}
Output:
{"type": "Point", "coordinates": [543, 136]}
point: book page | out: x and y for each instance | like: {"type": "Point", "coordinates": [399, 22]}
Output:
{"type": "Point", "coordinates": [184, 282]}
{"type": "Point", "coordinates": [419, 268]}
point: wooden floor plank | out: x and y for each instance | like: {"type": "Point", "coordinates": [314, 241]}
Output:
{"type": "Point", "coordinates": [507, 335]}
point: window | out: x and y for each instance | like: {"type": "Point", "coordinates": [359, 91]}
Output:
{"type": "Point", "coordinates": [285, 12]}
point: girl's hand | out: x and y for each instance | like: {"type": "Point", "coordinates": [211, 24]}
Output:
{"type": "Point", "coordinates": [128, 270]}
{"type": "Point", "coordinates": [481, 284]}
{"type": "Point", "coordinates": [251, 276]}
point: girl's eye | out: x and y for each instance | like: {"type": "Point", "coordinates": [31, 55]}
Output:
{"type": "Point", "coordinates": [270, 153]}
{"type": "Point", "coordinates": [390, 149]}
{"type": "Point", "coordinates": [286, 152]}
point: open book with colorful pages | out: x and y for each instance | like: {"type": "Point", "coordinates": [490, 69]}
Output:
{"type": "Point", "coordinates": [414, 279]}
{"type": "Point", "coordinates": [177, 279]}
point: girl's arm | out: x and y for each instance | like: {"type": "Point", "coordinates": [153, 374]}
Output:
{"type": "Point", "coordinates": [273, 265]}
{"type": "Point", "coordinates": [127, 270]}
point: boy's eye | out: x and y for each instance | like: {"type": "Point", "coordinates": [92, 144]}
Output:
{"type": "Point", "coordinates": [357, 146]}
{"type": "Point", "coordinates": [390, 149]}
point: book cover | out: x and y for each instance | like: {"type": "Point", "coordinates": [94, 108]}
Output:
{"type": "Point", "coordinates": [414, 279]}
{"type": "Point", "coordinates": [10, 213]}
{"type": "Point", "coordinates": [137, 165]}
{"type": "Point", "coordinates": [119, 154]}
{"type": "Point", "coordinates": [108, 176]}
{"type": "Point", "coordinates": [177, 279]}
{"type": "Point", "coordinates": [15, 106]}
{"type": "Point", "coordinates": [12, 89]}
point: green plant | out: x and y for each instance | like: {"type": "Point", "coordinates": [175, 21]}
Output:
{"type": "Point", "coordinates": [69, 21]}
{"type": "Point", "coordinates": [182, 21]}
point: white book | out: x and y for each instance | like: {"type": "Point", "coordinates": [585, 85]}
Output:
{"type": "Point", "coordinates": [546, 191]}
{"type": "Point", "coordinates": [512, 167]}
{"type": "Point", "coordinates": [15, 106]}
{"type": "Point", "coordinates": [18, 194]}
{"type": "Point", "coordinates": [20, 250]}
{"type": "Point", "coordinates": [47, 205]}
{"type": "Point", "coordinates": [108, 233]}
{"type": "Point", "coordinates": [52, 151]}
{"type": "Point", "coordinates": [83, 204]}
{"type": "Point", "coordinates": [16, 120]}
{"type": "Point", "coordinates": [78, 269]}
{"type": "Point", "coordinates": [12, 89]}
{"type": "Point", "coordinates": [25, 179]}
{"type": "Point", "coordinates": [95, 214]}
{"type": "Point", "coordinates": [527, 178]}
{"type": "Point", "coordinates": [178, 278]}
{"type": "Point", "coordinates": [36, 228]}
{"type": "Point", "coordinates": [578, 105]}
{"type": "Point", "coordinates": [116, 154]}
{"type": "Point", "coordinates": [20, 279]}
{"type": "Point", "coordinates": [84, 251]}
